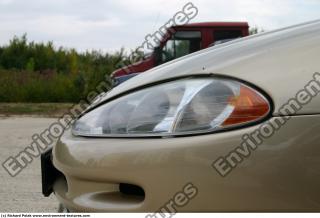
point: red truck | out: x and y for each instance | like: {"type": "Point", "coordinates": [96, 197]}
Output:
{"type": "Point", "coordinates": [181, 41]}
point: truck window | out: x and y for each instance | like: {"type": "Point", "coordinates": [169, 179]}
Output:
{"type": "Point", "coordinates": [181, 43]}
{"type": "Point", "coordinates": [226, 34]}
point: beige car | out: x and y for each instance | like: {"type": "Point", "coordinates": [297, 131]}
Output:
{"type": "Point", "coordinates": [235, 127]}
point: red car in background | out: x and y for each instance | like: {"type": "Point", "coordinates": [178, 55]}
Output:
{"type": "Point", "coordinates": [181, 41]}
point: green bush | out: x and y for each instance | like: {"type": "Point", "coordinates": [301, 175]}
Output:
{"type": "Point", "coordinates": [38, 72]}
{"type": "Point", "coordinates": [35, 87]}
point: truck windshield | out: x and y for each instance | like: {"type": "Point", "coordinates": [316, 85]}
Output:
{"type": "Point", "coordinates": [181, 43]}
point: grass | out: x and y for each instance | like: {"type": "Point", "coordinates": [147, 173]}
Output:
{"type": "Point", "coordinates": [34, 109]}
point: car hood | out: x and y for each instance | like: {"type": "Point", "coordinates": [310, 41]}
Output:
{"type": "Point", "coordinates": [280, 62]}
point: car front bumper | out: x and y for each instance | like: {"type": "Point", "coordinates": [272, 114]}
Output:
{"type": "Point", "coordinates": [282, 174]}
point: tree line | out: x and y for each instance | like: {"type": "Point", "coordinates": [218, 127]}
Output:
{"type": "Point", "coordinates": [40, 72]}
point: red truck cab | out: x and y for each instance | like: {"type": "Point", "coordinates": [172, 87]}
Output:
{"type": "Point", "coordinates": [183, 40]}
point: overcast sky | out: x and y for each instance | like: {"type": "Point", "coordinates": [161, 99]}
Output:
{"type": "Point", "coordinates": [108, 25]}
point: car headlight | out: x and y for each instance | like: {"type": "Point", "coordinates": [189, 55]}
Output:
{"type": "Point", "coordinates": [185, 106]}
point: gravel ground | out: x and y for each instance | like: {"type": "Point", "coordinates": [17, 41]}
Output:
{"type": "Point", "coordinates": [23, 192]}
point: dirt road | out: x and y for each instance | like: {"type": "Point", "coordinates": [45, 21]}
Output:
{"type": "Point", "coordinates": [23, 192]}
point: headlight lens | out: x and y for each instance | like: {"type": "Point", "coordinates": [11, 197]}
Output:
{"type": "Point", "coordinates": [185, 106]}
